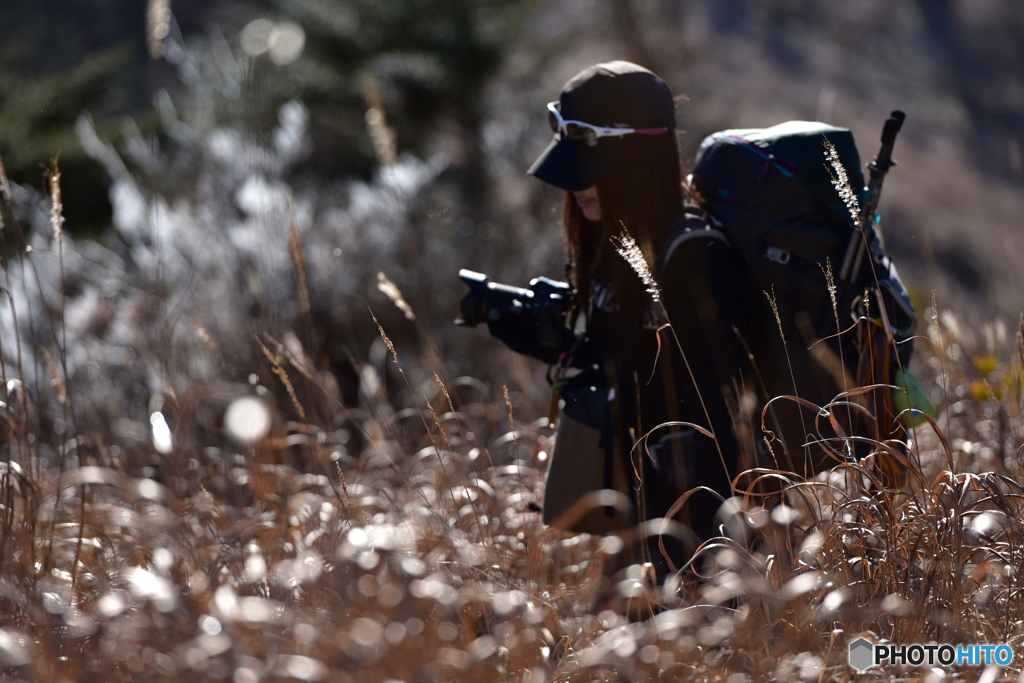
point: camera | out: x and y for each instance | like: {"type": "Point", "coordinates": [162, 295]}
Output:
{"type": "Point", "coordinates": [530, 321]}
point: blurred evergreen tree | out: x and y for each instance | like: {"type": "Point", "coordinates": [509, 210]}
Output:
{"type": "Point", "coordinates": [430, 59]}
{"type": "Point", "coordinates": [58, 58]}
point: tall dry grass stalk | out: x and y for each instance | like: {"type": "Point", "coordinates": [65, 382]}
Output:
{"type": "Point", "coordinates": [277, 367]}
{"type": "Point", "coordinates": [774, 305]}
{"type": "Point", "coordinates": [56, 203]}
{"type": "Point", "coordinates": [5, 184]}
{"type": "Point", "coordinates": [392, 292]}
{"type": "Point", "coordinates": [386, 339]}
{"type": "Point", "coordinates": [5, 191]}
{"type": "Point", "coordinates": [381, 134]}
{"type": "Point", "coordinates": [158, 25]}
{"type": "Point", "coordinates": [298, 255]}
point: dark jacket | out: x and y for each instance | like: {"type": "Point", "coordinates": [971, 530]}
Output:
{"type": "Point", "coordinates": [694, 376]}
{"type": "Point", "coordinates": [696, 380]}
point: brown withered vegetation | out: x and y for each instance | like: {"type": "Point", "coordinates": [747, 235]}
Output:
{"type": "Point", "coordinates": [407, 549]}
{"type": "Point", "coordinates": [398, 537]}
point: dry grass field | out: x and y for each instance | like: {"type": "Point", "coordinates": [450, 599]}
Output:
{"type": "Point", "coordinates": [241, 441]}
{"type": "Point", "coordinates": [245, 524]}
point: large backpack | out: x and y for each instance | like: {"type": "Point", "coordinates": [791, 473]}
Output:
{"type": "Point", "coordinates": [770, 192]}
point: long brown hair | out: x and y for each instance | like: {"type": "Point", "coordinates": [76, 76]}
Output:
{"type": "Point", "coordinates": [642, 193]}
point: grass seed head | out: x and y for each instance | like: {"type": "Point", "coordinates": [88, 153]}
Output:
{"type": "Point", "coordinates": [384, 336]}
{"type": "Point", "coordinates": [381, 134]}
{"type": "Point", "coordinates": [276, 366]}
{"type": "Point", "coordinates": [5, 184]}
{"type": "Point", "coordinates": [630, 250]}
{"type": "Point", "coordinates": [56, 204]}
{"type": "Point", "coordinates": [775, 312]}
{"type": "Point", "coordinates": [841, 182]}
{"type": "Point", "coordinates": [508, 405]}
{"type": "Point", "coordinates": [158, 24]}
{"type": "Point", "coordinates": [391, 291]}
{"type": "Point", "coordinates": [830, 284]}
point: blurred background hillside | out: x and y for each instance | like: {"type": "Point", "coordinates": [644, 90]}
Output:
{"type": "Point", "coordinates": [414, 121]}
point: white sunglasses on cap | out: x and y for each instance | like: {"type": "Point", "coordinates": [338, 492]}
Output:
{"type": "Point", "coordinates": [588, 134]}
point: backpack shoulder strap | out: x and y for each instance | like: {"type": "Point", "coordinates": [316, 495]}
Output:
{"type": "Point", "coordinates": [691, 224]}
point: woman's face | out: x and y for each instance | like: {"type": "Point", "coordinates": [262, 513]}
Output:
{"type": "Point", "coordinates": [589, 204]}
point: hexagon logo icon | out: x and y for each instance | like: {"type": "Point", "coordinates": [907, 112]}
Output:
{"type": "Point", "coordinates": [862, 654]}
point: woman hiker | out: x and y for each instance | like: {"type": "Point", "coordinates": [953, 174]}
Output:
{"type": "Point", "coordinates": [620, 371]}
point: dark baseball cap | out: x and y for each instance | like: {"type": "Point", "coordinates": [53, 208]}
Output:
{"type": "Point", "coordinates": [611, 95]}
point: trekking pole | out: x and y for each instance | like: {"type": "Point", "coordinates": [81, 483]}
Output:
{"type": "Point", "coordinates": [878, 168]}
